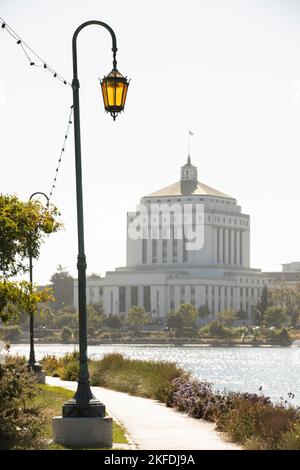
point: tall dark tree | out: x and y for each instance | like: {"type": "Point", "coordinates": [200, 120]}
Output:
{"type": "Point", "coordinates": [263, 303]}
{"type": "Point", "coordinates": [62, 284]}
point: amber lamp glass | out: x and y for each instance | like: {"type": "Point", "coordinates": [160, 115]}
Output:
{"type": "Point", "coordinates": [114, 90]}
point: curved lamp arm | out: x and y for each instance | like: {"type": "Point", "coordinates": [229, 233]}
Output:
{"type": "Point", "coordinates": [41, 194]}
{"type": "Point", "coordinates": [74, 46]}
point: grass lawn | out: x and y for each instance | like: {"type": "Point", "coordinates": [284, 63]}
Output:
{"type": "Point", "coordinates": [52, 399]}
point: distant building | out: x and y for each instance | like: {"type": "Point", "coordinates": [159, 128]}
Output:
{"type": "Point", "coordinates": [161, 273]}
{"type": "Point", "coordinates": [290, 274]}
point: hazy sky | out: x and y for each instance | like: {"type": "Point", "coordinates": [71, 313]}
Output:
{"type": "Point", "coordinates": [228, 70]}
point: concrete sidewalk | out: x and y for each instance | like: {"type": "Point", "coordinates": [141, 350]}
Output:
{"type": "Point", "coordinates": [151, 425]}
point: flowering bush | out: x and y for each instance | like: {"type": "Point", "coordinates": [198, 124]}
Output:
{"type": "Point", "coordinates": [21, 419]}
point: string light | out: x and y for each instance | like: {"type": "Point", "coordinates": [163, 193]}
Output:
{"type": "Point", "coordinates": [61, 152]}
{"type": "Point", "coordinates": [29, 53]}
{"type": "Point", "coordinates": [41, 63]}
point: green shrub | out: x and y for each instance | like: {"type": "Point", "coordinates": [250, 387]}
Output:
{"type": "Point", "coordinates": [43, 333]}
{"type": "Point", "coordinates": [216, 329]}
{"type": "Point", "coordinates": [12, 332]}
{"type": "Point", "coordinates": [249, 420]}
{"type": "Point", "coordinates": [50, 364]}
{"type": "Point", "coordinates": [69, 371]}
{"type": "Point", "coordinates": [21, 420]}
{"type": "Point", "coordinates": [66, 319]}
{"type": "Point", "coordinates": [290, 440]}
{"type": "Point", "coordinates": [280, 335]}
{"type": "Point", "coordinates": [143, 378]}
{"type": "Point", "coordinates": [65, 367]}
{"type": "Point", "coordinates": [66, 334]}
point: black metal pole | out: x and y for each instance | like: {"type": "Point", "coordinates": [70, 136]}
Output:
{"type": "Point", "coordinates": [84, 404]}
{"type": "Point", "coordinates": [32, 364]}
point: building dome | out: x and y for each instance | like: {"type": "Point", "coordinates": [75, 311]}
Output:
{"type": "Point", "coordinates": [188, 185]}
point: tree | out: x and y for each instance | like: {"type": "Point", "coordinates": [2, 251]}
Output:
{"type": "Point", "coordinates": [98, 308]}
{"type": "Point", "coordinates": [275, 316]}
{"type": "Point", "coordinates": [21, 294]}
{"type": "Point", "coordinates": [263, 303]}
{"type": "Point", "coordinates": [189, 314]}
{"type": "Point", "coordinates": [23, 226]}
{"type": "Point", "coordinates": [137, 317]}
{"type": "Point", "coordinates": [66, 334]}
{"type": "Point", "coordinates": [288, 298]}
{"type": "Point", "coordinates": [113, 321]}
{"type": "Point", "coordinates": [62, 284]}
{"type": "Point", "coordinates": [175, 321]}
{"type": "Point", "coordinates": [95, 315]}
{"type": "Point", "coordinates": [227, 317]}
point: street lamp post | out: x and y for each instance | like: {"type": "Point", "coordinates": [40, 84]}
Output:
{"type": "Point", "coordinates": [32, 364]}
{"type": "Point", "coordinates": [114, 89]}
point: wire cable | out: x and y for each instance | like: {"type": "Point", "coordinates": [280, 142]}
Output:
{"type": "Point", "coordinates": [38, 61]}
{"type": "Point", "coordinates": [61, 153]}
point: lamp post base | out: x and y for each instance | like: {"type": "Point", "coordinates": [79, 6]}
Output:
{"type": "Point", "coordinates": [82, 432]}
{"type": "Point", "coordinates": [83, 404]}
{"type": "Point", "coordinates": [38, 372]}
{"type": "Point", "coordinates": [93, 409]}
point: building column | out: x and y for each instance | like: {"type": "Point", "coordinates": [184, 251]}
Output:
{"type": "Point", "coordinates": [180, 251]}
{"type": "Point", "coordinates": [159, 251]}
{"type": "Point", "coordinates": [220, 246]}
{"type": "Point", "coordinates": [177, 297]}
{"type": "Point", "coordinates": [216, 299]}
{"type": "Point", "coordinates": [244, 299]}
{"type": "Point", "coordinates": [187, 294]}
{"type": "Point", "coordinates": [237, 300]}
{"type": "Point", "coordinates": [246, 248]}
{"type": "Point", "coordinates": [209, 298]}
{"type": "Point", "coordinates": [199, 296]}
{"type": "Point", "coordinates": [237, 247]}
{"type": "Point", "coordinates": [149, 250]}
{"type": "Point", "coordinates": [222, 295]}
{"type": "Point", "coordinates": [226, 242]}
{"type": "Point", "coordinates": [232, 242]}
{"type": "Point", "coordinates": [128, 298]}
{"type": "Point", "coordinates": [216, 245]}
{"type": "Point", "coordinates": [141, 296]}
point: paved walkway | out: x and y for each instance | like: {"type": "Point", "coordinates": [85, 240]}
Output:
{"type": "Point", "coordinates": [151, 425]}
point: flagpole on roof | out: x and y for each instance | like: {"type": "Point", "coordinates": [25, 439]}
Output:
{"type": "Point", "coordinates": [189, 144]}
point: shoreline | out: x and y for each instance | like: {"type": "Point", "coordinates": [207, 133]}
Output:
{"type": "Point", "coordinates": [210, 344]}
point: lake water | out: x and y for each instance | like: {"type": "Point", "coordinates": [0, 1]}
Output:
{"type": "Point", "coordinates": [277, 370]}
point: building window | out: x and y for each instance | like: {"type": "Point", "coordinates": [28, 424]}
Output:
{"type": "Point", "coordinates": [172, 298]}
{"type": "Point", "coordinates": [175, 251]}
{"type": "Point", "coordinates": [122, 299]}
{"type": "Point", "coordinates": [134, 296]}
{"type": "Point", "coordinates": [144, 250]}
{"type": "Point", "coordinates": [111, 302]}
{"type": "Point", "coordinates": [100, 290]}
{"type": "Point", "coordinates": [185, 251]}
{"type": "Point", "coordinates": [154, 251]}
{"type": "Point", "coordinates": [165, 250]}
{"type": "Point", "coordinates": [241, 248]}
{"type": "Point", "coordinates": [182, 294]}
{"type": "Point", "coordinates": [193, 295]}
{"type": "Point", "coordinates": [147, 298]}
{"type": "Point", "coordinates": [92, 292]}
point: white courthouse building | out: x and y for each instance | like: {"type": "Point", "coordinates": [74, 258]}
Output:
{"type": "Point", "coordinates": [161, 271]}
